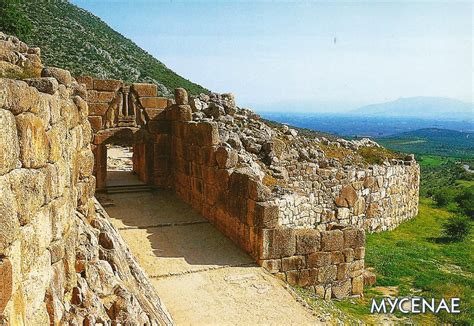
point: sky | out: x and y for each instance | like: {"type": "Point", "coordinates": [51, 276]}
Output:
{"type": "Point", "coordinates": [316, 55]}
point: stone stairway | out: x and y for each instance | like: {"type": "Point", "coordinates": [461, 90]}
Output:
{"type": "Point", "coordinates": [120, 189]}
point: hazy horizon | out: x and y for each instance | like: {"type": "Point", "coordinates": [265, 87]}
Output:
{"type": "Point", "coordinates": [331, 56]}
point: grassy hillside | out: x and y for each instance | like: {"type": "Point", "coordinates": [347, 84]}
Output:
{"type": "Point", "coordinates": [432, 141]}
{"type": "Point", "coordinates": [73, 38]}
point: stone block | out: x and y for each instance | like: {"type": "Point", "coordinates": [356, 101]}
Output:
{"type": "Point", "coordinates": [359, 253]}
{"type": "Point", "coordinates": [9, 145]}
{"type": "Point", "coordinates": [358, 285]}
{"type": "Point", "coordinates": [100, 97]}
{"type": "Point", "coordinates": [372, 210]}
{"type": "Point", "coordinates": [98, 108]}
{"type": "Point", "coordinates": [34, 287]}
{"type": "Point", "coordinates": [142, 89]}
{"type": "Point", "coordinates": [357, 268]}
{"type": "Point", "coordinates": [9, 225]}
{"type": "Point", "coordinates": [257, 190]}
{"type": "Point", "coordinates": [265, 215]}
{"type": "Point", "coordinates": [107, 85]}
{"type": "Point", "coordinates": [327, 274]}
{"type": "Point", "coordinates": [207, 134]}
{"type": "Point", "coordinates": [6, 281]}
{"type": "Point", "coordinates": [28, 188]}
{"type": "Point", "coordinates": [307, 241]}
{"type": "Point", "coordinates": [82, 107]}
{"type": "Point", "coordinates": [47, 85]}
{"type": "Point", "coordinates": [341, 289]}
{"type": "Point", "coordinates": [16, 96]}
{"type": "Point", "coordinates": [271, 265]}
{"type": "Point", "coordinates": [226, 157]}
{"type": "Point", "coordinates": [332, 240]}
{"type": "Point", "coordinates": [354, 238]}
{"type": "Point", "coordinates": [292, 263]}
{"type": "Point", "coordinates": [85, 161]}
{"type": "Point", "coordinates": [181, 113]}
{"type": "Point", "coordinates": [154, 102]}
{"type": "Point", "coordinates": [95, 122]}
{"type": "Point", "coordinates": [180, 96]}
{"type": "Point", "coordinates": [319, 259]}
{"type": "Point", "coordinates": [86, 80]}
{"type": "Point", "coordinates": [276, 243]}
{"type": "Point", "coordinates": [61, 75]}
{"type": "Point", "coordinates": [369, 277]}
{"type": "Point", "coordinates": [349, 195]}
{"type": "Point", "coordinates": [343, 271]}
{"type": "Point", "coordinates": [34, 147]}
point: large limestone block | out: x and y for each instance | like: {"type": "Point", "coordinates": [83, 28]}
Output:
{"type": "Point", "coordinates": [34, 146]}
{"type": "Point", "coordinates": [6, 281]}
{"type": "Point", "coordinates": [86, 80]}
{"type": "Point", "coordinates": [181, 96]}
{"type": "Point", "coordinates": [154, 102]}
{"type": "Point", "coordinates": [145, 89]}
{"type": "Point", "coordinates": [100, 97]}
{"type": "Point", "coordinates": [85, 160]}
{"type": "Point", "coordinates": [56, 136]}
{"type": "Point", "coordinates": [35, 284]}
{"type": "Point", "coordinates": [9, 146]}
{"type": "Point", "coordinates": [16, 96]}
{"type": "Point", "coordinates": [307, 241]}
{"type": "Point", "coordinates": [29, 191]}
{"type": "Point", "coordinates": [61, 75]}
{"type": "Point", "coordinates": [107, 85]}
{"type": "Point", "coordinates": [332, 240]}
{"type": "Point", "coordinates": [277, 243]}
{"type": "Point", "coordinates": [70, 113]}
{"type": "Point", "coordinates": [47, 85]}
{"type": "Point", "coordinates": [9, 225]}
{"type": "Point", "coordinates": [35, 239]}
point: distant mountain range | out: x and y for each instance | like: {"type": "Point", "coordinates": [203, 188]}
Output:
{"type": "Point", "coordinates": [432, 141]}
{"type": "Point", "coordinates": [420, 107]}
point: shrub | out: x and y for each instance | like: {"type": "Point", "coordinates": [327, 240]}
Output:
{"type": "Point", "coordinates": [457, 227]}
{"type": "Point", "coordinates": [465, 201]}
{"type": "Point", "coordinates": [444, 196]}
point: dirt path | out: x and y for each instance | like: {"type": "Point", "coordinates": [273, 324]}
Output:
{"type": "Point", "coordinates": [201, 276]}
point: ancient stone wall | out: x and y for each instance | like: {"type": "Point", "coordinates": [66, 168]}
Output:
{"type": "Point", "coordinates": [61, 262]}
{"type": "Point", "coordinates": [207, 175]}
{"type": "Point", "coordinates": [376, 198]}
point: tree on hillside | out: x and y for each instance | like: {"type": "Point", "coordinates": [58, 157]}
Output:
{"type": "Point", "coordinates": [465, 201]}
{"type": "Point", "coordinates": [12, 20]}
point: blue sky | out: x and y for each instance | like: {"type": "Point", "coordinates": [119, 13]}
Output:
{"type": "Point", "coordinates": [322, 56]}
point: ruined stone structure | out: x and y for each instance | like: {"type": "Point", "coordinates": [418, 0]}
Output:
{"type": "Point", "coordinates": [61, 261]}
{"type": "Point", "coordinates": [291, 202]}
{"type": "Point", "coordinates": [309, 232]}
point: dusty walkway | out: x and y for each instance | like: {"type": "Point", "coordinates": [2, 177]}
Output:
{"type": "Point", "coordinates": [201, 276]}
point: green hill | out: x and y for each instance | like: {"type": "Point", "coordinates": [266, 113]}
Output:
{"type": "Point", "coordinates": [74, 39]}
{"type": "Point", "coordinates": [432, 141]}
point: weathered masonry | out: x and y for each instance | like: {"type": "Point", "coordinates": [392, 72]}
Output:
{"type": "Point", "coordinates": [312, 238]}
{"type": "Point", "coordinates": [61, 261]}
